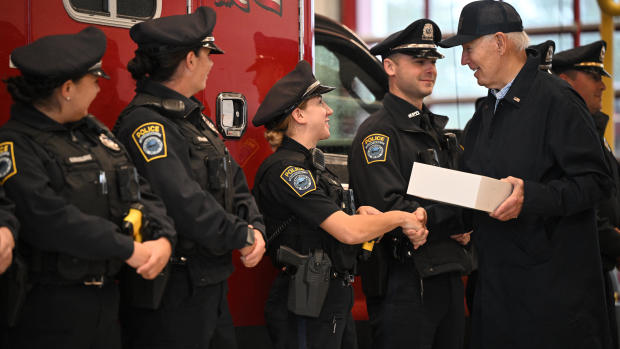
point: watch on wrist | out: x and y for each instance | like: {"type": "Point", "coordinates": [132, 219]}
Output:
{"type": "Point", "coordinates": [249, 240]}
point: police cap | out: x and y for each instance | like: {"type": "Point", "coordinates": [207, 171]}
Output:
{"type": "Point", "coordinates": [288, 93]}
{"type": "Point", "coordinates": [586, 57]}
{"type": "Point", "coordinates": [484, 17]}
{"type": "Point", "coordinates": [545, 53]}
{"type": "Point", "coordinates": [172, 32]}
{"type": "Point", "coordinates": [419, 39]}
{"type": "Point", "coordinates": [63, 56]}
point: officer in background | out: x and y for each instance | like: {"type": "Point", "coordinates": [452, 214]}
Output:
{"type": "Point", "coordinates": [72, 184]}
{"type": "Point", "coordinates": [582, 67]}
{"type": "Point", "coordinates": [310, 220]}
{"type": "Point", "coordinates": [178, 149]}
{"type": "Point", "coordinates": [414, 298]}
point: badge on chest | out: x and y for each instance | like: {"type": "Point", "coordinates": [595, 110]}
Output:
{"type": "Point", "coordinates": [150, 138]}
{"type": "Point", "coordinates": [299, 179]}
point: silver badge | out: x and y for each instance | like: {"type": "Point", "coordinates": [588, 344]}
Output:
{"type": "Point", "coordinates": [209, 123]}
{"type": "Point", "coordinates": [106, 141]}
{"type": "Point", "coordinates": [549, 56]}
{"type": "Point", "coordinates": [602, 54]}
{"type": "Point", "coordinates": [427, 32]}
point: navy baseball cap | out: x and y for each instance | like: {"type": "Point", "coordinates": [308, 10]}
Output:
{"type": "Point", "coordinates": [484, 17]}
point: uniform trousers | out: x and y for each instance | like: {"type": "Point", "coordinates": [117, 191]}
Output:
{"type": "Point", "coordinates": [333, 329]}
{"type": "Point", "coordinates": [416, 313]}
{"type": "Point", "coordinates": [71, 316]}
{"type": "Point", "coordinates": [188, 317]}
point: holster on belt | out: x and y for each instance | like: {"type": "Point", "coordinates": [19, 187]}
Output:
{"type": "Point", "coordinates": [309, 285]}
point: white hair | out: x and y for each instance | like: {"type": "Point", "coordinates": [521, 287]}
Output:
{"type": "Point", "coordinates": [520, 40]}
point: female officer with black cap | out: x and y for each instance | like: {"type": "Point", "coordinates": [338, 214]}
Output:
{"type": "Point", "coordinates": [302, 202]}
{"type": "Point", "coordinates": [72, 184]}
{"type": "Point", "coordinates": [179, 150]}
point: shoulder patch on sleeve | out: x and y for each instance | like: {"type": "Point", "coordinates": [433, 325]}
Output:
{"type": "Point", "coordinates": [375, 147]}
{"type": "Point", "coordinates": [151, 140]}
{"type": "Point", "coordinates": [299, 179]}
{"type": "Point", "coordinates": [7, 161]}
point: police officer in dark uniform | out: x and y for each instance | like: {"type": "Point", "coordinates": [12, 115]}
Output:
{"type": "Point", "coordinates": [414, 298]}
{"type": "Point", "coordinates": [582, 67]}
{"type": "Point", "coordinates": [539, 280]}
{"type": "Point", "coordinates": [178, 149]}
{"type": "Point", "coordinates": [72, 184]}
{"type": "Point", "coordinates": [310, 302]}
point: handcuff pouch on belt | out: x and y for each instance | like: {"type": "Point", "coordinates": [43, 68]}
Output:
{"type": "Point", "coordinates": [309, 285]}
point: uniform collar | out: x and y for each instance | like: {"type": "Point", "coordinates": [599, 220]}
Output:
{"type": "Point", "coordinates": [291, 144]}
{"type": "Point", "coordinates": [157, 89]}
{"type": "Point", "coordinates": [407, 116]}
{"type": "Point", "coordinates": [600, 121]}
{"type": "Point", "coordinates": [522, 84]}
{"type": "Point", "coordinates": [32, 117]}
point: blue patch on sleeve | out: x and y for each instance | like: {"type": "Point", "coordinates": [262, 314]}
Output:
{"type": "Point", "coordinates": [375, 147]}
{"type": "Point", "coordinates": [299, 179]}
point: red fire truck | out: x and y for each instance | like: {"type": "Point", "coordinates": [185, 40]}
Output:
{"type": "Point", "coordinates": [263, 40]}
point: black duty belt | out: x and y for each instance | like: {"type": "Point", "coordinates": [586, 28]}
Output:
{"type": "Point", "coordinates": [346, 277]}
{"type": "Point", "coordinates": [92, 280]}
{"type": "Point", "coordinates": [174, 260]}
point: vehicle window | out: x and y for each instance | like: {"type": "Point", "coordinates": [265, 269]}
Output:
{"type": "Point", "coordinates": [136, 8]}
{"type": "Point", "coordinates": [91, 6]}
{"type": "Point", "coordinates": [118, 13]}
{"type": "Point", "coordinates": [352, 100]}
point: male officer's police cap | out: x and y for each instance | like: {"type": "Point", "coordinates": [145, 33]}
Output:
{"type": "Point", "coordinates": [586, 57]}
{"type": "Point", "coordinates": [484, 17]}
{"type": "Point", "coordinates": [65, 56]}
{"type": "Point", "coordinates": [172, 32]}
{"type": "Point", "coordinates": [419, 39]}
{"type": "Point", "coordinates": [545, 53]}
{"type": "Point", "coordinates": [288, 93]}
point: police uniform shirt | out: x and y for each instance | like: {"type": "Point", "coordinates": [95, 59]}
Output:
{"type": "Point", "coordinates": [290, 188]}
{"type": "Point", "coordinates": [48, 221]}
{"type": "Point", "coordinates": [162, 154]}
{"type": "Point", "coordinates": [382, 155]}
{"type": "Point", "coordinates": [542, 133]}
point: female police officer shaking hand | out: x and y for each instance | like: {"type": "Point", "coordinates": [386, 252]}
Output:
{"type": "Point", "coordinates": [302, 205]}
{"type": "Point", "coordinates": [179, 150]}
{"type": "Point", "coordinates": [72, 184]}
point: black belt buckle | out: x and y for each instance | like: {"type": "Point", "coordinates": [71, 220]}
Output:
{"type": "Point", "coordinates": [97, 281]}
{"type": "Point", "coordinates": [347, 278]}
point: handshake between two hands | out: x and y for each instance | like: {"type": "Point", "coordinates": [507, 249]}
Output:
{"type": "Point", "coordinates": [414, 224]}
